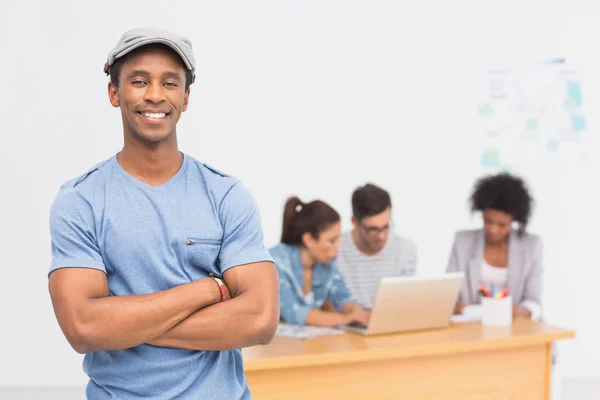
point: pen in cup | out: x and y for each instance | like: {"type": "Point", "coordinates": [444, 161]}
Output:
{"type": "Point", "coordinates": [493, 293]}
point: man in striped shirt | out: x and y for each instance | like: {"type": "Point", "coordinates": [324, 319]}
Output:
{"type": "Point", "coordinates": [371, 251]}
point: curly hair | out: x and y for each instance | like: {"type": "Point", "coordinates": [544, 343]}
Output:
{"type": "Point", "coordinates": [506, 193]}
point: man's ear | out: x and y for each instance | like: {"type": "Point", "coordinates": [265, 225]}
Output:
{"type": "Point", "coordinates": [113, 95]}
{"type": "Point", "coordinates": [354, 222]}
{"type": "Point", "coordinates": [186, 100]}
{"type": "Point", "coordinates": [187, 94]}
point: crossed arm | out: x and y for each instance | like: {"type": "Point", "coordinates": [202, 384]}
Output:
{"type": "Point", "coordinates": [249, 318]}
{"type": "Point", "coordinates": [187, 316]}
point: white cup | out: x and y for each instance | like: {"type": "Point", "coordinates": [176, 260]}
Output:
{"type": "Point", "coordinates": [496, 312]}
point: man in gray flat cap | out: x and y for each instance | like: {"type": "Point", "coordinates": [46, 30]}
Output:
{"type": "Point", "coordinates": [159, 273]}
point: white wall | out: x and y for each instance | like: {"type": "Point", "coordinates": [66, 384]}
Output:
{"type": "Point", "coordinates": [302, 97]}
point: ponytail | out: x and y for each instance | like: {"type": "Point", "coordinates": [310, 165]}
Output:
{"type": "Point", "coordinates": [292, 207]}
{"type": "Point", "coordinates": [300, 218]}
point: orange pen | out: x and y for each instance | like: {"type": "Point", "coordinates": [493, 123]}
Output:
{"type": "Point", "coordinates": [484, 291]}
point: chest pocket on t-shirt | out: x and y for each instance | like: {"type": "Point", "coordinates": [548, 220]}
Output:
{"type": "Point", "coordinates": [203, 255]}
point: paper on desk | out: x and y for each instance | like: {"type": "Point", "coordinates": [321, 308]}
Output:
{"type": "Point", "coordinates": [472, 312]}
{"type": "Point", "coordinates": [305, 332]}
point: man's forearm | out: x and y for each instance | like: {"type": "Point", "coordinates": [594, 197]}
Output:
{"type": "Point", "coordinates": [236, 323]}
{"type": "Point", "coordinates": [120, 322]}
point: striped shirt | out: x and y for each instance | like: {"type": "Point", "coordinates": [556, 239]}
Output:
{"type": "Point", "coordinates": [362, 272]}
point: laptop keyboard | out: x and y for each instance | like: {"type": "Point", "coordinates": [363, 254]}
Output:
{"type": "Point", "coordinates": [358, 325]}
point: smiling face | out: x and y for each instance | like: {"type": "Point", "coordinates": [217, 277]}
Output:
{"type": "Point", "coordinates": [151, 94]}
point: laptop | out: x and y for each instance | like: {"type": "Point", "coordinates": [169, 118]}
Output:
{"type": "Point", "coordinates": [412, 303]}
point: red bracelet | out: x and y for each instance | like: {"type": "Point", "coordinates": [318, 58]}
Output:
{"type": "Point", "coordinates": [221, 286]}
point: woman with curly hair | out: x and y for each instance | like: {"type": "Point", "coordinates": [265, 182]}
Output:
{"type": "Point", "coordinates": [502, 254]}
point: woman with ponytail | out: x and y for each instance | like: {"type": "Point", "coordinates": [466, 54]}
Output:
{"type": "Point", "coordinates": [305, 261]}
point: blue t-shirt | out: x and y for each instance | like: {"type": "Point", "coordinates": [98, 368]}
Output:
{"type": "Point", "coordinates": [149, 239]}
{"type": "Point", "coordinates": [327, 283]}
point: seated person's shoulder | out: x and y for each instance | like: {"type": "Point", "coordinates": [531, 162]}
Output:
{"type": "Point", "coordinates": [467, 235]}
{"type": "Point", "coordinates": [281, 251]}
{"type": "Point", "coordinates": [282, 255]}
{"type": "Point", "coordinates": [400, 241]}
{"type": "Point", "coordinates": [531, 239]}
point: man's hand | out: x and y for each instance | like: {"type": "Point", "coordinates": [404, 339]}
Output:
{"type": "Point", "coordinates": [248, 317]}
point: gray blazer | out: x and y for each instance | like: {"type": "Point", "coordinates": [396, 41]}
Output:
{"type": "Point", "coordinates": [524, 275]}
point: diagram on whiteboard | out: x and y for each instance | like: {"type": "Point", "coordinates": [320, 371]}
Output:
{"type": "Point", "coordinates": [531, 114]}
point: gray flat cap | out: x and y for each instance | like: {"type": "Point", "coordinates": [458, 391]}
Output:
{"type": "Point", "coordinates": [139, 37]}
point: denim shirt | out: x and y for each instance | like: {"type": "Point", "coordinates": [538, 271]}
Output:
{"type": "Point", "coordinates": [328, 283]}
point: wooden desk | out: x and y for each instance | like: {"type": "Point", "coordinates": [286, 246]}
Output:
{"type": "Point", "coordinates": [464, 361]}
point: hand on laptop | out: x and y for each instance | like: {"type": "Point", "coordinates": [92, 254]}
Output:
{"type": "Point", "coordinates": [358, 315]}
